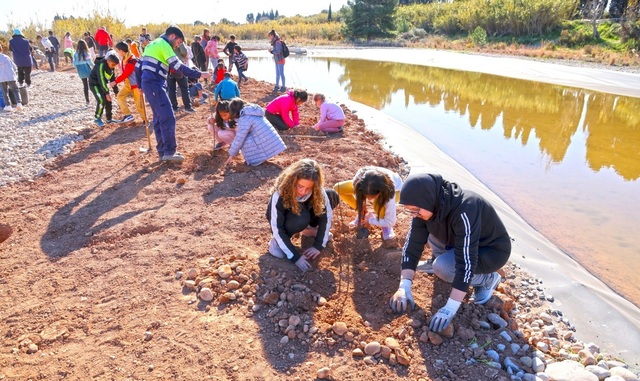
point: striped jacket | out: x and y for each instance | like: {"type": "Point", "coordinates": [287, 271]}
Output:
{"type": "Point", "coordinates": [256, 137]}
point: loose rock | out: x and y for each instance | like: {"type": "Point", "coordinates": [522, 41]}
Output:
{"type": "Point", "coordinates": [339, 328]}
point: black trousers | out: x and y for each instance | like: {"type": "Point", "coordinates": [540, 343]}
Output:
{"type": "Point", "coordinates": [24, 75]}
{"type": "Point", "coordinates": [276, 121]}
{"type": "Point", "coordinates": [173, 93]}
{"type": "Point", "coordinates": [102, 104]}
{"type": "Point", "coordinates": [85, 84]}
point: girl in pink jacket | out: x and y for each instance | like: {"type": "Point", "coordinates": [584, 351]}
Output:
{"type": "Point", "coordinates": [211, 50]}
{"type": "Point", "coordinates": [282, 112]}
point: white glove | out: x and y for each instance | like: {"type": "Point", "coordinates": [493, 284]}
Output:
{"type": "Point", "coordinates": [398, 301]}
{"type": "Point", "coordinates": [444, 316]}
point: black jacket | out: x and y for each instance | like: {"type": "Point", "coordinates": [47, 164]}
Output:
{"type": "Point", "coordinates": [101, 75]}
{"type": "Point", "coordinates": [461, 219]}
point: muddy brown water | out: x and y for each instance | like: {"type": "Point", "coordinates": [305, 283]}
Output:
{"type": "Point", "coordinates": [566, 159]}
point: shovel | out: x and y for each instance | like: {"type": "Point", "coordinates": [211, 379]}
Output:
{"type": "Point", "coordinates": [146, 125]}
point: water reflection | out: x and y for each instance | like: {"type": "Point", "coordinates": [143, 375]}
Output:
{"type": "Point", "coordinates": [552, 113]}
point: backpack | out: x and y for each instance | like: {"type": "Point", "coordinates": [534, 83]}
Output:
{"type": "Point", "coordinates": [285, 49]}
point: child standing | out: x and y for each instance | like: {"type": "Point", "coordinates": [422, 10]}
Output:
{"type": "Point", "coordinates": [101, 74]}
{"type": "Point", "coordinates": [230, 49]}
{"type": "Point", "coordinates": [242, 63]}
{"type": "Point", "coordinates": [255, 137]}
{"type": "Point", "coordinates": [49, 50]}
{"type": "Point", "coordinates": [299, 204]}
{"type": "Point", "coordinates": [376, 184]}
{"type": "Point", "coordinates": [83, 64]}
{"type": "Point", "coordinates": [129, 84]}
{"type": "Point", "coordinates": [218, 73]}
{"type": "Point", "coordinates": [331, 115]}
{"type": "Point", "coordinates": [8, 81]}
{"type": "Point", "coordinates": [282, 112]}
{"type": "Point", "coordinates": [211, 50]}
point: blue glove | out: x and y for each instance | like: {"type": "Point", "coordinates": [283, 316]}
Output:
{"type": "Point", "coordinates": [444, 316]}
{"type": "Point", "coordinates": [399, 300]}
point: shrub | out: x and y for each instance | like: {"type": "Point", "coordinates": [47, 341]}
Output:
{"type": "Point", "coordinates": [479, 36]}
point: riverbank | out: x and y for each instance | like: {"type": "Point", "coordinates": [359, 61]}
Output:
{"type": "Point", "coordinates": [97, 273]}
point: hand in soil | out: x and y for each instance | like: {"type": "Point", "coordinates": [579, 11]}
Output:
{"type": "Point", "coordinates": [398, 301]}
{"type": "Point", "coordinates": [311, 253]}
{"type": "Point", "coordinates": [303, 264]}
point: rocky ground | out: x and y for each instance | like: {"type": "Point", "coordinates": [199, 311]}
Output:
{"type": "Point", "coordinates": [115, 267]}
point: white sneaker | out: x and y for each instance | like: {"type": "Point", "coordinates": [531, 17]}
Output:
{"type": "Point", "coordinates": [19, 107]}
{"type": "Point", "coordinates": [8, 108]}
{"type": "Point", "coordinates": [482, 293]}
{"type": "Point", "coordinates": [275, 250]}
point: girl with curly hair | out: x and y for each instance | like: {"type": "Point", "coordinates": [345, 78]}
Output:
{"type": "Point", "coordinates": [299, 204]}
{"type": "Point", "coordinates": [378, 185]}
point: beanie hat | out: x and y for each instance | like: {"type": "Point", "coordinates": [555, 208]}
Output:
{"type": "Point", "coordinates": [17, 32]}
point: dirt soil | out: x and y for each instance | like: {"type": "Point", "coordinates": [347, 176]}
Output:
{"type": "Point", "coordinates": [103, 258]}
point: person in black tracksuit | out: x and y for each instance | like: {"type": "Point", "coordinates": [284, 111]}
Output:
{"type": "Point", "coordinates": [467, 238]}
{"type": "Point", "coordinates": [101, 75]}
{"type": "Point", "coordinates": [299, 204]}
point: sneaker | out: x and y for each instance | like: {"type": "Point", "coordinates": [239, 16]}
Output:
{"type": "Point", "coordinates": [112, 121]}
{"type": "Point", "coordinates": [8, 108]}
{"type": "Point", "coordinates": [482, 293]}
{"type": "Point", "coordinates": [219, 146]}
{"type": "Point", "coordinates": [99, 122]}
{"type": "Point", "coordinates": [127, 118]}
{"type": "Point", "coordinates": [175, 158]}
{"type": "Point", "coordinates": [283, 89]}
{"type": "Point", "coordinates": [246, 80]}
{"type": "Point", "coordinates": [275, 250]}
{"type": "Point", "coordinates": [388, 233]}
{"type": "Point", "coordinates": [19, 107]}
{"type": "Point", "coordinates": [275, 89]}
{"type": "Point", "coordinates": [189, 110]}
{"type": "Point", "coordinates": [425, 266]}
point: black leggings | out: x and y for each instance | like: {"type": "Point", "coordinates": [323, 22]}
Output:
{"type": "Point", "coordinates": [85, 84]}
{"type": "Point", "coordinates": [276, 121]}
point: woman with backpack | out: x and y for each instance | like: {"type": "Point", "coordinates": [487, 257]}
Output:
{"type": "Point", "coordinates": [278, 50]}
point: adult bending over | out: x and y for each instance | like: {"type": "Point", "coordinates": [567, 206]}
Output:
{"type": "Point", "coordinates": [255, 136]}
{"type": "Point", "coordinates": [299, 204]}
{"type": "Point", "coordinates": [466, 236]}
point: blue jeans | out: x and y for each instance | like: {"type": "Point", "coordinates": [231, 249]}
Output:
{"type": "Point", "coordinates": [102, 50]}
{"type": "Point", "coordinates": [444, 264]}
{"type": "Point", "coordinates": [280, 74]}
{"type": "Point", "coordinates": [241, 75]}
{"type": "Point", "coordinates": [164, 120]}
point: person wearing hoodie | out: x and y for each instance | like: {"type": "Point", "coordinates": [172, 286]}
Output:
{"type": "Point", "coordinates": [22, 56]}
{"type": "Point", "coordinates": [299, 204]}
{"type": "Point", "coordinates": [467, 238]}
{"type": "Point", "coordinates": [255, 136]}
{"type": "Point", "coordinates": [83, 64]}
{"type": "Point", "coordinates": [283, 113]}
{"type": "Point", "coordinates": [277, 50]}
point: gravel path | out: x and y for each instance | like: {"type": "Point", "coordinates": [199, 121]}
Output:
{"type": "Point", "coordinates": [48, 126]}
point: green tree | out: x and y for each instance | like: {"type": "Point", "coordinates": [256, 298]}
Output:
{"type": "Point", "coordinates": [198, 23]}
{"type": "Point", "coordinates": [250, 18]}
{"type": "Point", "coordinates": [370, 18]}
{"type": "Point", "coordinates": [329, 13]}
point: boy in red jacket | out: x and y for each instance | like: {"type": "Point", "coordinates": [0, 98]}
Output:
{"type": "Point", "coordinates": [129, 85]}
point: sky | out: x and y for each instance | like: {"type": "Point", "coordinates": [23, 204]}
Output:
{"type": "Point", "coordinates": [137, 12]}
